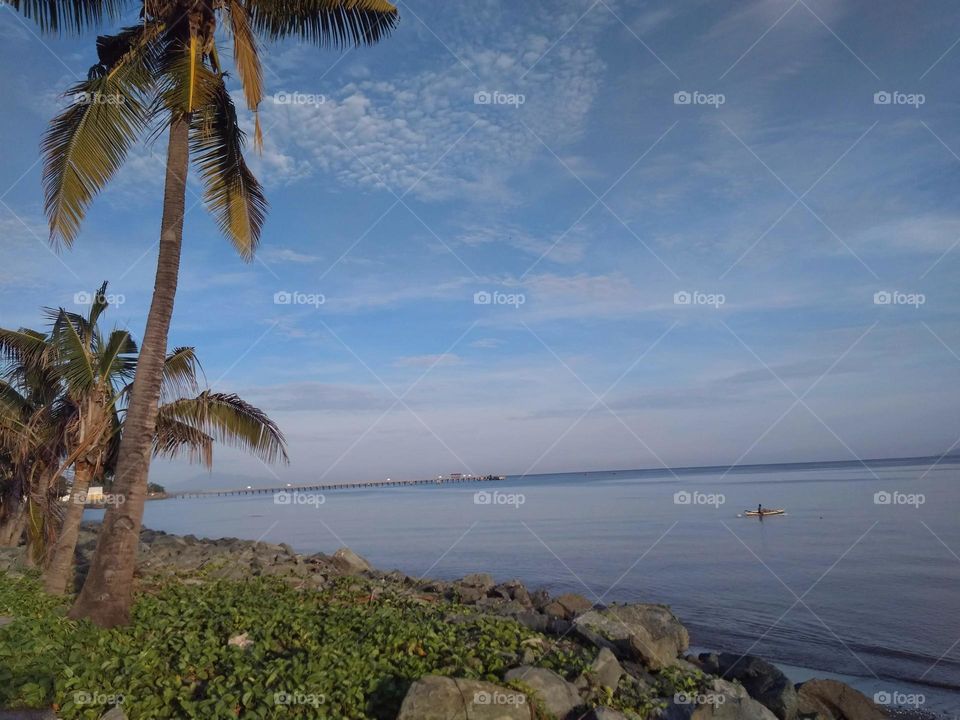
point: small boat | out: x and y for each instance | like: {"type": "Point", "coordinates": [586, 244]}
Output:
{"type": "Point", "coordinates": [764, 513]}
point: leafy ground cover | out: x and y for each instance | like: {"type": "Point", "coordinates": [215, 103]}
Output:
{"type": "Point", "coordinates": [350, 651]}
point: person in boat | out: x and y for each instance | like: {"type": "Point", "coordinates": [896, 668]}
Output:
{"type": "Point", "coordinates": [760, 509]}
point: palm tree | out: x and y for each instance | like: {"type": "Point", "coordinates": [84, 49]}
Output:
{"type": "Point", "coordinates": [166, 70]}
{"type": "Point", "coordinates": [33, 421]}
{"type": "Point", "coordinates": [186, 426]}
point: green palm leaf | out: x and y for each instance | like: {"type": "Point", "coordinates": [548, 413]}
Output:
{"type": "Point", "coordinates": [230, 420]}
{"type": "Point", "coordinates": [231, 191]}
{"type": "Point", "coordinates": [327, 23]}
{"type": "Point", "coordinates": [173, 438]}
{"type": "Point", "coordinates": [181, 369]}
{"type": "Point", "coordinates": [117, 359]}
{"type": "Point", "coordinates": [70, 15]}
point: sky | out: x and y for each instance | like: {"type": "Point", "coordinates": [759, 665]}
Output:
{"type": "Point", "coordinates": [553, 236]}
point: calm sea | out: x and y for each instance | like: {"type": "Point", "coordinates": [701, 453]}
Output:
{"type": "Point", "coordinates": [861, 577]}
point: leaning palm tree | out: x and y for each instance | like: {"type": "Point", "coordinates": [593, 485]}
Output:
{"type": "Point", "coordinates": [166, 71]}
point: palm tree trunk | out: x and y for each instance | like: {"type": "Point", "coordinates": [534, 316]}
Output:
{"type": "Point", "coordinates": [108, 590]}
{"type": "Point", "coordinates": [11, 530]}
{"type": "Point", "coordinates": [59, 572]}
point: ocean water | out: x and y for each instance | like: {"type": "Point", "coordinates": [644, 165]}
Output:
{"type": "Point", "coordinates": [848, 581]}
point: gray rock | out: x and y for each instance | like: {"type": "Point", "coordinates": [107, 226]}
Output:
{"type": "Point", "coordinates": [27, 715]}
{"type": "Point", "coordinates": [604, 713]}
{"type": "Point", "coordinates": [831, 699]}
{"type": "Point", "coordinates": [114, 713]}
{"type": "Point", "coordinates": [649, 633]}
{"type": "Point", "coordinates": [442, 698]}
{"type": "Point", "coordinates": [763, 681]}
{"type": "Point", "coordinates": [540, 598]}
{"type": "Point", "coordinates": [478, 580]}
{"type": "Point", "coordinates": [349, 563]}
{"type": "Point", "coordinates": [726, 701]}
{"type": "Point", "coordinates": [557, 695]}
{"type": "Point", "coordinates": [5, 620]}
{"type": "Point", "coordinates": [605, 671]}
{"type": "Point", "coordinates": [574, 604]}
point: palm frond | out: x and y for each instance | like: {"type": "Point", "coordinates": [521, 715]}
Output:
{"type": "Point", "coordinates": [229, 419]}
{"type": "Point", "coordinates": [117, 359]}
{"type": "Point", "coordinates": [185, 82]}
{"type": "Point", "coordinates": [247, 60]}
{"type": "Point", "coordinates": [327, 23]}
{"type": "Point", "coordinates": [173, 438]}
{"type": "Point", "coordinates": [71, 15]}
{"type": "Point", "coordinates": [86, 144]}
{"type": "Point", "coordinates": [231, 192]}
{"type": "Point", "coordinates": [23, 348]}
{"type": "Point", "coordinates": [181, 369]}
{"type": "Point", "coordinates": [74, 360]}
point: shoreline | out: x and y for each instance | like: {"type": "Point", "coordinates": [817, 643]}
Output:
{"type": "Point", "coordinates": [186, 558]}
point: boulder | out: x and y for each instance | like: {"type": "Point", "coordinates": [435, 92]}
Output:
{"type": "Point", "coordinates": [605, 671]}
{"type": "Point", "coordinates": [540, 598]}
{"type": "Point", "coordinates": [557, 695]}
{"type": "Point", "coordinates": [763, 681]}
{"type": "Point", "coordinates": [5, 620]}
{"type": "Point", "coordinates": [349, 563]}
{"type": "Point", "coordinates": [649, 633]}
{"type": "Point", "coordinates": [831, 699]}
{"type": "Point", "coordinates": [478, 580]}
{"type": "Point", "coordinates": [442, 698]}
{"type": "Point", "coordinates": [604, 713]}
{"type": "Point", "coordinates": [724, 701]}
{"type": "Point", "coordinates": [114, 713]}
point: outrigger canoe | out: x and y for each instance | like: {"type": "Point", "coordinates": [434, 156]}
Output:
{"type": "Point", "coordinates": [754, 513]}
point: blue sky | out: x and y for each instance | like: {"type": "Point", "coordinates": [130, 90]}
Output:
{"type": "Point", "coordinates": [783, 198]}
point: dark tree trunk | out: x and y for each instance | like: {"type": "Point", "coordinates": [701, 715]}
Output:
{"type": "Point", "coordinates": [59, 573]}
{"type": "Point", "coordinates": [108, 590]}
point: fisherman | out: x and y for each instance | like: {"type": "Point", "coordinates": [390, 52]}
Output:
{"type": "Point", "coordinates": [760, 509]}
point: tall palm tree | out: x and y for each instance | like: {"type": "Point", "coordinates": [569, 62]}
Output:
{"type": "Point", "coordinates": [166, 69]}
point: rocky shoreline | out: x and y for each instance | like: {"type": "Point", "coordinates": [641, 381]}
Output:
{"type": "Point", "coordinates": [631, 644]}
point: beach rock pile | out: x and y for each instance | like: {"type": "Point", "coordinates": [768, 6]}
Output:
{"type": "Point", "coordinates": [634, 643]}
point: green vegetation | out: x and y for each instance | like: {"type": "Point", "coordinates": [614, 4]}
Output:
{"type": "Point", "coordinates": [350, 651]}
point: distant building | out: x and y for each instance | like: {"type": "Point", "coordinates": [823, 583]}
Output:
{"type": "Point", "coordinates": [95, 494]}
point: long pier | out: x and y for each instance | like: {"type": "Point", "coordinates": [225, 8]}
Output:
{"type": "Point", "coordinates": [193, 494]}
